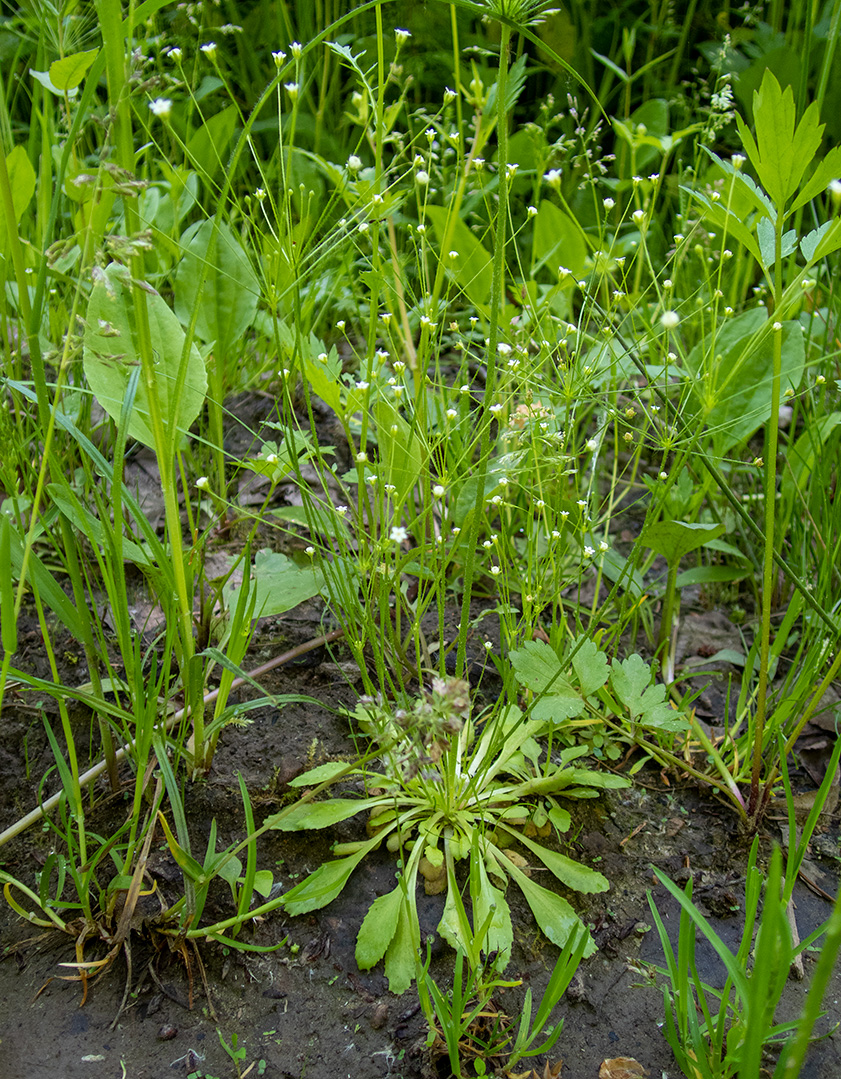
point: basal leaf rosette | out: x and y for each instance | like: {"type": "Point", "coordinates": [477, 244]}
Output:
{"type": "Point", "coordinates": [487, 799]}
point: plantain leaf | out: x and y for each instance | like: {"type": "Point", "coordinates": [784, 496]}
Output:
{"type": "Point", "coordinates": [215, 275]}
{"type": "Point", "coordinates": [111, 351]}
{"type": "Point", "coordinates": [67, 73]}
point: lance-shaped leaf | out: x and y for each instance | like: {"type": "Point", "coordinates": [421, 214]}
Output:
{"type": "Point", "coordinates": [322, 886]}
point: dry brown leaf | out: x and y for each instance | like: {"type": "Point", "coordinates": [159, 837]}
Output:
{"type": "Point", "coordinates": [621, 1068]}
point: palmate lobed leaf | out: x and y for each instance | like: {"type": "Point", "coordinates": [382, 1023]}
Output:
{"type": "Point", "coordinates": [782, 149]}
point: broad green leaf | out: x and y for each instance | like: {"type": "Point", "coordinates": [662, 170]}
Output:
{"type": "Point", "coordinates": [829, 168]}
{"type": "Point", "coordinates": [472, 269]}
{"type": "Point", "coordinates": [782, 149]}
{"type": "Point", "coordinates": [767, 241]}
{"type": "Point", "coordinates": [674, 539]}
{"type": "Point", "coordinates": [322, 814]}
{"type": "Point", "coordinates": [537, 666]}
{"type": "Point", "coordinates": [590, 666]}
{"type": "Point", "coordinates": [378, 928]}
{"type": "Point", "coordinates": [281, 584]}
{"type": "Point", "coordinates": [216, 277]}
{"type": "Point", "coordinates": [322, 886]}
{"type": "Point", "coordinates": [569, 872]}
{"type": "Point", "coordinates": [401, 451]}
{"type": "Point", "coordinates": [44, 78]}
{"type": "Point", "coordinates": [318, 775]}
{"type": "Point", "coordinates": [111, 351]}
{"type": "Point", "coordinates": [630, 679]}
{"type": "Point", "coordinates": [487, 898]}
{"type": "Point", "coordinates": [206, 146]}
{"type": "Point", "coordinates": [231, 870]}
{"type": "Point", "coordinates": [22, 180]}
{"type": "Point", "coordinates": [732, 371]}
{"type": "Point", "coordinates": [553, 914]}
{"type": "Point", "coordinates": [324, 376]}
{"type": "Point", "coordinates": [829, 240]}
{"type": "Point", "coordinates": [729, 223]}
{"type": "Point", "coordinates": [645, 703]}
{"type": "Point", "coordinates": [401, 955]}
{"type": "Point", "coordinates": [712, 574]}
{"type": "Point", "coordinates": [558, 241]}
{"type": "Point", "coordinates": [67, 73]}
{"type": "Point", "coordinates": [263, 882]}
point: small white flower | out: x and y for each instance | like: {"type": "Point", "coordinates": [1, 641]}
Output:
{"type": "Point", "coordinates": [608, 203]}
{"type": "Point", "coordinates": [389, 488]}
{"type": "Point", "coordinates": [398, 534]}
{"type": "Point", "coordinates": [669, 320]}
{"type": "Point", "coordinates": [511, 169]}
{"type": "Point", "coordinates": [421, 230]}
{"type": "Point", "coordinates": [292, 89]}
{"type": "Point", "coordinates": [532, 211]}
{"type": "Point", "coordinates": [777, 327]}
{"type": "Point", "coordinates": [174, 53]}
{"type": "Point", "coordinates": [664, 476]}
{"type": "Point", "coordinates": [488, 645]}
{"type": "Point", "coordinates": [834, 190]}
{"type": "Point", "coordinates": [588, 552]}
{"type": "Point", "coordinates": [553, 178]}
{"type": "Point", "coordinates": [295, 49]}
{"type": "Point", "coordinates": [310, 551]}
{"type": "Point", "coordinates": [452, 413]}
{"type": "Point", "coordinates": [161, 106]}
{"type": "Point", "coordinates": [464, 389]}
{"type": "Point", "coordinates": [604, 546]}
{"type": "Point", "coordinates": [278, 58]}
{"type": "Point", "coordinates": [272, 459]}
{"type": "Point", "coordinates": [402, 36]}
{"type": "Point", "coordinates": [820, 380]}
{"type": "Point", "coordinates": [449, 96]}
{"type": "Point", "coordinates": [259, 194]}
{"type": "Point", "coordinates": [341, 510]}
{"type": "Point", "coordinates": [354, 163]}
{"type": "Point", "coordinates": [496, 408]}
{"type": "Point", "coordinates": [592, 444]}
{"type": "Point", "coordinates": [361, 458]}
{"type": "Point", "coordinates": [555, 534]}
{"type": "Point", "coordinates": [363, 227]}
{"type": "Point", "coordinates": [582, 503]}
{"type": "Point", "coordinates": [203, 483]}
{"type": "Point", "coordinates": [209, 49]}
{"type": "Point", "coordinates": [422, 177]}
{"type": "Point", "coordinates": [495, 570]}
{"type": "Point", "coordinates": [439, 491]}
{"type": "Point", "coordinates": [340, 325]}
{"type": "Point", "coordinates": [638, 216]}
{"type": "Point", "coordinates": [362, 385]}
{"type": "Point", "coordinates": [496, 500]}
{"type": "Point", "coordinates": [453, 255]}
{"type": "Point", "coordinates": [737, 160]}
